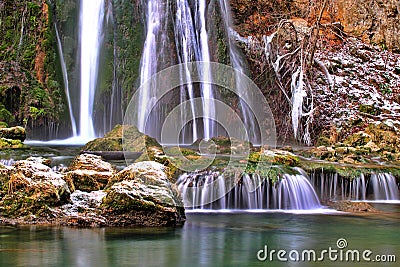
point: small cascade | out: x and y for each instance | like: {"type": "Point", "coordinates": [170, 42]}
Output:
{"type": "Point", "coordinates": [333, 187]}
{"type": "Point", "coordinates": [210, 190]}
{"type": "Point", "coordinates": [384, 186]}
{"type": "Point", "coordinates": [7, 162]}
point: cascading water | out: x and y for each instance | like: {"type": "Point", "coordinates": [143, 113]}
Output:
{"type": "Point", "coordinates": [384, 186]}
{"type": "Point", "coordinates": [66, 81]}
{"type": "Point", "coordinates": [186, 36]}
{"type": "Point", "coordinates": [238, 63]}
{"type": "Point", "coordinates": [377, 187]}
{"type": "Point", "coordinates": [213, 191]}
{"type": "Point", "coordinates": [91, 27]}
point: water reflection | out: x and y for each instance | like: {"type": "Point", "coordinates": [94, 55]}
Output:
{"type": "Point", "coordinates": [205, 240]}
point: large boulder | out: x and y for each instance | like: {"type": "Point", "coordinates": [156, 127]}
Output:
{"type": "Point", "coordinates": [142, 194]}
{"type": "Point", "coordinates": [135, 141]}
{"type": "Point", "coordinates": [89, 172]}
{"type": "Point", "coordinates": [30, 187]}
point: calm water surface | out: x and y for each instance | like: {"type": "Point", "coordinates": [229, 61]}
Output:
{"type": "Point", "coordinates": [230, 239]}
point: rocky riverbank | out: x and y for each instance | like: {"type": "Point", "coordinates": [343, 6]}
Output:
{"type": "Point", "coordinates": [90, 193]}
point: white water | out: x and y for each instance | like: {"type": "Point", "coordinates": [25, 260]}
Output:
{"type": "Point", "coordinates": [148, 65]}
{"type": "Point", "coordinates": [238, 63]}
{"type": "Point", "coordinates": [192, 44]}
{"type": "Point", "coordinates": [185, 38]}
{"type": "Point", "coordinates": [91, 27]}
{"type": "Point", "coordinates": [384, 186]}
{"type": "Point", "coordinates": [206, 92]}
{"type": "Point", "coordinates": [212, 191]}
{"type": "Point", "coordinates": [379, 187]}
{"type": "Point", "coordinates": [66, 82]}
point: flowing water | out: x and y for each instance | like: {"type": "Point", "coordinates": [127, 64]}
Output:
{"type": "Point", "coordinates": [66, 82]}
{"type": "Point", "coordinates": [205, 240]}
{"type": "Point", "coordinates": [91, 27]}
{"type": "Point", "coordinates": [184, 36]}
{"type": "Point", "coordinates": [379, 187]}
{"type": "Point", "coordinates": [213, 191]}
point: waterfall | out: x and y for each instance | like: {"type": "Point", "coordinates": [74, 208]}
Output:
{"type": "Point", "coordinates": [66, 82]}
{"type": "Point", "coordinates": [384, 186]}
{"type": "Point", "coordinates": [185, 37]}
{"type": "Point", "coordinates": [238, 63]}
{"type": "Point", "coordinates": [210, 190]}
{"type": "Point", "coordinates": [91, 27]}
{"type": "Point", "coordinates": [377, 187]}
{"type": "Point", "coordinates": [179, 32]}
{"type": "Point", "coordinates": [207, 91]}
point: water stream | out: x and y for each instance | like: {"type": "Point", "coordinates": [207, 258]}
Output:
{"type": "Point", "coordinates": [91, 27]}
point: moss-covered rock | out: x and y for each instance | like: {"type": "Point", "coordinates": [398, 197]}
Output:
{"type": "Point", "coordinates": [90, 162]}
{"type": "Point", "coordinates": [14, 133]}
{"type": "Point", "coordinates": [224, 145]}
{"type": "Point", "coordinates": [31, 188]}
{"type": "Point", "coordinates": [89, 172]}
{"type": "Point", "coordinates": [358, 139]}
{"type": "Point", "coordinates": [122, 138]}
{"type": "Point", "coordinates": [10, 143]}
{"type": "Point", "coordinates": [142, 194]}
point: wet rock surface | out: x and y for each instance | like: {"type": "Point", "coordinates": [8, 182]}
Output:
{"type": "Point", "coordinates": [353, 207]}
{"type": "Point", "coordinates": [141, 194]}
{"type": "Point", "coordinates": [89, 172]}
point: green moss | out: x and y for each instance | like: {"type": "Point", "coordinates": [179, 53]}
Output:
{"type": "Point", "coordinates": [369, 109]}
{"type": "Point", "coordinates": [121, 203]}
{"type": "Point", "coordinates": [10, 143]}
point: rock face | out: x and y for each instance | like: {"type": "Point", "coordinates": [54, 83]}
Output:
{"type": "Point", "coordinates": [29, 187]}
{"type": "Point", "coordinates": [378, 139]}
{"type": "Point", "coordinates": [375, 21]}
{"type": "Point", "coordinates": [143, 195]}
{"type": "Point", "coordinates": [89, 173]}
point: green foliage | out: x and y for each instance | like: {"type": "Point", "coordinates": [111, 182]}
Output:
{"type": "Point", "coordinates": [35, 112]}
{"type": "Point", "coordinates": [385, 88]}
{"type": "Point", "coordinates": [5, 115]}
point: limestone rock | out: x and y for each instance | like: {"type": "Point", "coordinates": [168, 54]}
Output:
{"type": "Point", "coordinates": [90, 162]}
{"type": "Point", "coordinates": [30, 187]}
{"type": "Point", "coordinates": [88, 173]}
{"type": "Point", "coordinates": [143, 195]}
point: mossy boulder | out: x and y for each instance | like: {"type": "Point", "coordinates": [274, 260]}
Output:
{"type": "Point", "coordinates": [279, 157]}
{"type": "Point", "coordinates": [142, 194]}
{"type": "Point", "coordinates": [89, 172]}
{"type": "Point", "coordinates": [120, 138]}
{"type": "Point", "coordinates": [13, 133]}
{"type": "Point", "coordinates": [90, 162]}
{"type": "Point", "coordinates": [31, 188]}
{"type": "Point", "coordinates": [10, 143]}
